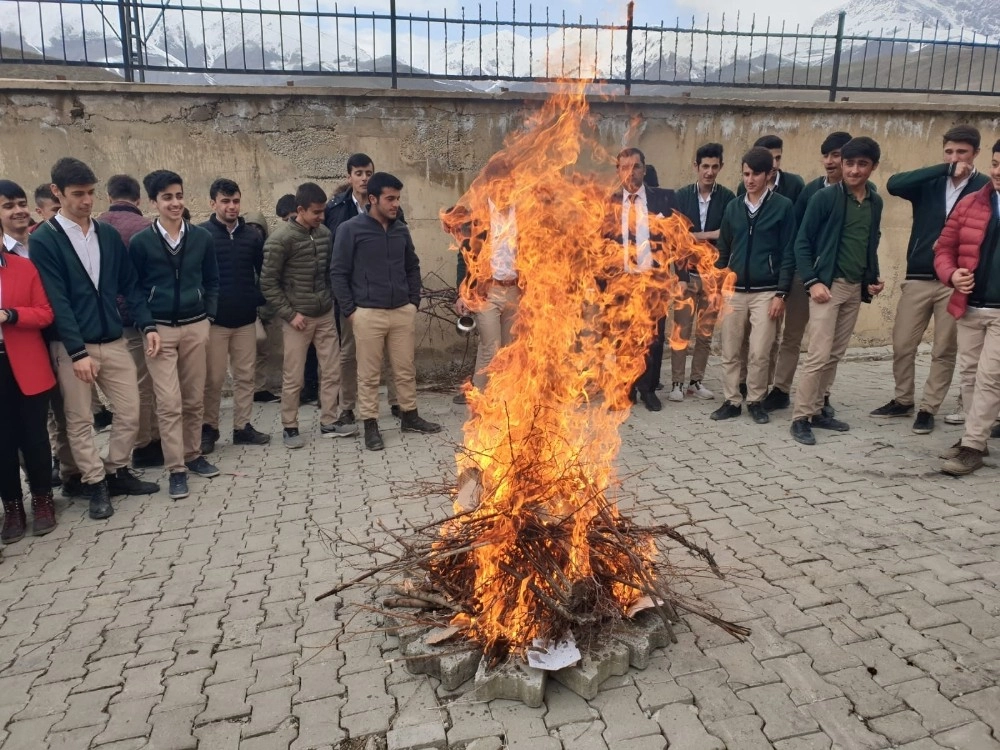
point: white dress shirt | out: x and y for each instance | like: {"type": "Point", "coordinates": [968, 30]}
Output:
{"type": "Point", "coordinates": [503, 233]}
{"type": "Point", "coordinates": [755, 207]}
{"type": "Point", "coordinates": [13, 246]}
{"type": "Point", "coordinates": [86, 245]}
{"type": "Point", "coordinates": [703, 203]}
{"type": "Point", "coordinates": [174, 244]}
{"type": "Point", "coordinates": [953, 191]}
{"type": "Point", "coordinates": [643, 251]}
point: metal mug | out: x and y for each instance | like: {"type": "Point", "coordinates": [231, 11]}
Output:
{"type": "Point", "coordinates": [465, 324]}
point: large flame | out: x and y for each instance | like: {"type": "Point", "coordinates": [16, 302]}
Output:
{"type": "Point", "coordinates": [543, 435]}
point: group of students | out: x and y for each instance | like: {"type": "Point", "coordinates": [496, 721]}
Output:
{"type": "Point", "coordinates": [808, 254]}
{"type": "Point", "coordinates": [155, 312]}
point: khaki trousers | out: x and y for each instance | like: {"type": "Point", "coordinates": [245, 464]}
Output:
{"type": "Point", "coordinates": [772, 356]}
{"type": "Point", "coordinates": [349, 369]}
{"type": "Point", "coordinates": [117, 379]}
{"type": "Point", "coordinates": [695, 305]}
{"type": "Point", "coordinates": [747, 317]}
{"type": "Point", "coordinates": [376, 330]}
{"type": "Point", "coordinates": [269, 347]}
{"type": "Point", "coordinates": [178, 374]}
{"type": "Point", "coordinates": [979, 367]}
{"type": "Point", "coordinates": [918, 302]}
{"type": "Point", "coordinates": [494, 323]}
{"type": "Point", "coordinates": [237, 348]}
{"type": "Point", "coordinates": [149, 428]}
{"type": "Point", "coordinates": [830, 327]}
{"type": "Point", "coordinates": [790, 347]}
{"type": "Point", "coordinates": [321, 332]}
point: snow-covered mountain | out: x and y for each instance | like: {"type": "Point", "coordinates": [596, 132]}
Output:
{"type": "Point", "coordinates": [909, 17]}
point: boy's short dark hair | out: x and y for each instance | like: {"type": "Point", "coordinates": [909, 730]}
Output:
{"type": "Point", "coordinates": [69, 171]}
{"type": "Point", "coordinates": [309, 194]}
{"type": "Point", "coordinates": [359, 160]}
{"type": "Point", "coordinates": [759, 159]}
{"type": "Point", "coordinates": [123, 187]}
{"type": "Point", "coordinates": [44, 193]}
{"type": "Point", "coordinates": [11, 190]}
{"type": "Point", "coordinates": [996, 147]}
{"type": "Point", "coordinates": [708, 151]}
{"type": "Point", "coordinates": [158, 181]}
{"type": "Point", "coordinates": [769, 141]}
{"type": "Point", "coordinates": [227, 187]}
{"type": "Point", "coordinates": [963, 134]}
{"type": "Point", "coordinates": [834, 142]}
{"type": "Point", "coordinates": [285, 205]}
{"type": "Point", "coordinates": [382, 180]}
{"type": "Point", "coordinates": [861, 147]}
{"type": "Point", "coordinates": [626, 152]}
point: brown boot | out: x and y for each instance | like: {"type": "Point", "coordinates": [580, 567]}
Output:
{"type": "Point", "coordinates": [13, 521]}
{"type": "Point", "coordinates": [44, 514]}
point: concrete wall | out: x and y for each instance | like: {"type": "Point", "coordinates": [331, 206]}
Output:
{"type": "Point", "coordinates": [270, 140]}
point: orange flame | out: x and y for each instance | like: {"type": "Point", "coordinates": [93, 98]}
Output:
{"type": "Point", "coordinates": [543, 434]}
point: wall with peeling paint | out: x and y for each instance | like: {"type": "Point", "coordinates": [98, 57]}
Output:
{"type": "Point", "coordinates": [270, 140]}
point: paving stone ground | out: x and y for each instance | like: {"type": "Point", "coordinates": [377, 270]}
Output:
{"type": "Point", "coordinates": [871, 584]}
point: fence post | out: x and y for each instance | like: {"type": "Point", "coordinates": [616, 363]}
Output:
{"type": "Point", "coordinates": [628, 47]}
{"type": "Point", "coordinates": [125, 35]}
{"type": "Point", "coordinates": [392, 37]}
{"type": "Point", "coordinates": [834, 78]}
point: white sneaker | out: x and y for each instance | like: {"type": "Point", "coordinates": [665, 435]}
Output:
{"type": "Point", "coordinates": [676, 393]}
{"type": "Point", "coordinates": [957, 418]}
{"type": "Point", "coordinates": [697, 389]}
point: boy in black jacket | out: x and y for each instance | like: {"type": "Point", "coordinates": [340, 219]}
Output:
{"type": "Point", "coordinates": [232, 339]}
{"type": "Point", "coordinates": [755, 242]}
{"type": "Point", "coordinates": [179, 275]}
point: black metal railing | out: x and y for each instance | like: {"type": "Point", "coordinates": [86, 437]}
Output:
{"type": "Point", "coordinates": [250, 41]}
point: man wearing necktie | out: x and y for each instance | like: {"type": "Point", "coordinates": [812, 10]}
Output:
{"type": "Point", "coordinates": [638, 201]}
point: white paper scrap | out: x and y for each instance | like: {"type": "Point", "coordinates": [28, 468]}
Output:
{"type": "Point", "coordinates": [552, 656]}
{"type": "Point", "coordinates": [643, 602]}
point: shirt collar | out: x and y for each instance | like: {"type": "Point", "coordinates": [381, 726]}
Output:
{"type": "Point", "coordinates": [641, 192]}
{"type": "Point", "coordinates": [68, 224]}
{"type": "Point", "coordinates": [166, 236]}
{"type": "Point", "coordinates": [11, 244]}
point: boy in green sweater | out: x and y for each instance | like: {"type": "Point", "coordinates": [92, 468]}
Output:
{"type": "Point", "coordinates": [836, 255]}
{"type": "Point", "coordinates": [178, 273]}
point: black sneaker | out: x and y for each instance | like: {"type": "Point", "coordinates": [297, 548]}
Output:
{"type": "Point", "coordinates": [347, 417]}
{"type": "Point", "coordinates": [74, 487]}
{"type": "Point", "coordinates": [396, 411]}
{"type": "Point", "coordinates": [249, 436]}
{"type": "Point", "coordinates": [266, 397]}
{"type": "Point", "coordinates": [829, 423]}
{"type": "Point", "coordinates": [650, 400]}
{"type": "Point", "coordinates": [827, 410]}
{"type": "Point", "coordinates": [103, 419]}
{"type": "Point", "coordinates": [209, 435]}
{"type": "Point", "coordinates": [202, 467]}
{"type": "Point", "coordinates": [893, 409]}
{"type": "Point", "coordinates": [459, 399]}
{"type": "Point", "coordinates": [373, 438]}
{"type": "Point", "coordinates": [924, 423]}
{"type": "Point", "coordinates": [758, 412]}
{"type": "Point", "coordinates": [56, 476]}
{"type": "Point", "coordinates": [802, 432]}
{"type": "Point", "coordinates": [410, 421]}
{"type": "Point", "coordinates": [291, 438]}
{"type": "Point", "coordinates": [728, 410]}
{"type": "Point", "coordinates": [776, 399]}
{"type": "Point", "coordinates": [124, 482]}
{"type": "Point", "coordinates": [743, 390]}
{"type": "Point", "coordinates": [100, 501]}
{"type": "Point", "coordinates": [995, 432]}
{"type": "Point", "coordinates": [179, 485]}
{"type": "Point", "coordinates": [149, 456]}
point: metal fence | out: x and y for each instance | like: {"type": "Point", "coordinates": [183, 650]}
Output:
{"type": "Point", "coordinates": [245, 40]}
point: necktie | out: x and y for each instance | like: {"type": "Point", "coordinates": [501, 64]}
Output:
{"type": "Point", "coordinates": [633, 254]}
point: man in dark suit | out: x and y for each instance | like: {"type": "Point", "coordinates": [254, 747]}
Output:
{"type": "Point", "coordinates": [635, 203]}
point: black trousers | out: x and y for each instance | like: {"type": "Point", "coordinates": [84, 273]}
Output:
{"type": "Point", "coordinates": [654, 360]}
{"type": "Point", "coordinates": [22, 428]}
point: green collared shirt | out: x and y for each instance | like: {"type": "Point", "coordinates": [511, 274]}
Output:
{"type": "Point", "coordinates": [852, 256]}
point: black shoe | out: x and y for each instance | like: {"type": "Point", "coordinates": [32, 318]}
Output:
{"type": "Point", "coordinates": [209, 435]}
{"type": "Point", "coordinates": [802, 432]}
{"type": "Point", "coordinates": [893, 409]}
{"type": "Point", "coordinates": [100, 501]}
{"type": "Point", "coordinates": [346, 417]}
{"type": "Point", "coordinates": [659, 385]}
{"type": "Point", "coordinates": [728, 410]}
{"type": "Point", "coordinates": [202, 467]}
{"type": "Point", "coordinates": [308, 395]}
{"type": "Point", "coordinates": [743, 390]}
{"type": "Point", "coordinates": [74, 487]}
{"type": "Point", "coordinates": [396, 411]}
{"type": "Point", "coordinates": [995, 432]}
{"type": "Point", "coordinates": [827, 410]}
{"type": "Point", "coordinates": [410, 421]}
{"type": "Point", "coordinates": [829, 423]}
{"type": "Point", "coordinates": [459, 399]}
{"type": "Point", "coordinates": [776, 399]}
{"type": "Point", "coordinates": [56, 477]}
{"type": "Point", "coordinates": [266, 397]}
{"type": "Point", "coordinates": [249, 436]}
{"type": "Point", "coordinates": [124, 482]}
{"type": "Point", "coordinates": [179, 485]}
{"type": "Point", "coordinates": [650, 400]}
{"type": "Point", "coordinates": [924, 423]}
{"type": "Point", "coordinates": [373, 438]}
{"type": "Point", "coordinates": [149, 456]}
{"type": "Point", "coordinates": [103, 419]}
{"type": "Point", "coordinates": [633, 396]}
{"type": "Point", "coordinates": [758, 412]}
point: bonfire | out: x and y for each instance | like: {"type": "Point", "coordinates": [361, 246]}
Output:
{"type": "Point", "coordinates": [537, 548]}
